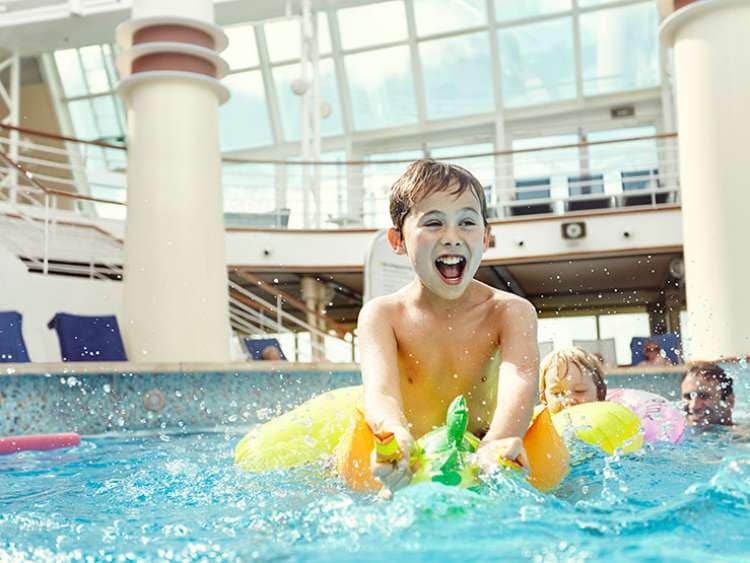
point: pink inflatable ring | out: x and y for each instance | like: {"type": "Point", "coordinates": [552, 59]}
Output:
{"type": "Point", "coordinates": [660, 420]}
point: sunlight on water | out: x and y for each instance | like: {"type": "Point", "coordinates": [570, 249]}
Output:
{"type": "Point", "coordinates": [178, 497]}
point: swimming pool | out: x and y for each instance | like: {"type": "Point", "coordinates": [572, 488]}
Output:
{"type": "Point", "coordinates": [176, 496]}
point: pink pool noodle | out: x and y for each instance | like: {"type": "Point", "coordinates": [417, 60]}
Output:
{"type": "Point", "coordinates": [660, 420]}
{"type": "Point", "coordinates": [13, 444]}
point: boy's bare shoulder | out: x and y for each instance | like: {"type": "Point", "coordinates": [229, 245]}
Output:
{"type": "Point", "coordinates": [381, 308]}
{"type": "Point", "coordinates": [510, 307]}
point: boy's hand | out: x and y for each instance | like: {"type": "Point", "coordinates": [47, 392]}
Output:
{"type": "Point", "coordinates": [490, 452]}
{"type": "Point", "coordinates": [395, 475]}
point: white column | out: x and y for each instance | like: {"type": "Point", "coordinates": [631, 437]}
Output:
{"type": "Point", "coordinates": [711, 58]}
{"type": "Point", "coordinates": [175, 281]}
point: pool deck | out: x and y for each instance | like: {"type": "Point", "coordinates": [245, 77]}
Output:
{"type": "Point", "coordinates": [99, 397]}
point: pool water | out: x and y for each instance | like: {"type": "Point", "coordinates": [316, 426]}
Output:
{"type": "Point", "coordinates": [178, 497]}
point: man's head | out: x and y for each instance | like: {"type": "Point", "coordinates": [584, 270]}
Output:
{"type": "Point", "coordinates": [651, 350]}
{"type": "Point", "coordinates": [270, 352]}
{"type": "Point", "coordinates": [708, 395]}
{"type": "Point", "coordinates": [439, 218]}
{"type": "Point", "coordinates": [570, 376]}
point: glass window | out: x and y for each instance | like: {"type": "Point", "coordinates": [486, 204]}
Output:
{"type": "Point", "coordinates": [381, 88]}
{"type": "Point", "coordinates": [106, 118]}
{"type": "Point", "coordinates": [94, 69]}
{"type": "Point", "coordinates": [563, 330]}
{"type": "Point", "coordinates": [557, 164]}
{"type": "Point", "coordinates": [438, 16]}
{"type": "Point", "coordinates": [483, 167]}
{"type": "Point", "coordinates": [378, 179]}
{"type": "Point", "coordinates": [82, 117]}
{"type": "Point", "coordinates": [623, 327]}
{"type": "Point", "coordinates": [242, 52]}
{"type": "Point", "coordinates": [507, 10]}
{"type": "Point", "coordinates": [291, 104]}
{"type": "Point", "coordinates": [619, 49]}
{"type": "Point", "coordinates": [612, 159]}
{"type": "Point", "coordinates": [283, 38]}
{"type": "Point", "coordinates": [457, 75]}
{"type": "Point", "coordinates": [373, 24]}
{"type": "Point", "coordinates": [109, 65]}
{"type": "Point", "coordinates": [248, 188]}
{"type": "Point", "coordinates": [244, 118]}
{"type": "Point", "coordinates": [71, 75]}
{"type": "Point", "coordinates": [537, 63]}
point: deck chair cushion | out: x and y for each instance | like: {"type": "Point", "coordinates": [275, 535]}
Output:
{"type": "Point", "coordinates": [88, 338]}
{"type": "Point", "coordinates": [12, 345]}
{"type": "Point", "coordinates": [255, 347]}
{"type": "Point", "coordinates": [669, 342]}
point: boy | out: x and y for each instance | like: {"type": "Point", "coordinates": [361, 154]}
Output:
{"type": "Point", "coordinates": [570, 376]}
{"type": "Point", "coordinates": [442, 335]}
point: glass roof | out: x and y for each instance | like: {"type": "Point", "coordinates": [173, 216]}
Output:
{"type": "Point", "coordinates": [440, 69]}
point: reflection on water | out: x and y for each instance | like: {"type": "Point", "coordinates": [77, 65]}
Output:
{"type": "Point", "coordinates": [179, 498]}
{"type": "Point", "coordinates": [182, 499]}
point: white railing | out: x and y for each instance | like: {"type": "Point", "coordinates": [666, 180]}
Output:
{"type": "Point", "coordinates": [330, 195]}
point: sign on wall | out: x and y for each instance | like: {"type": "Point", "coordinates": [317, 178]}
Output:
{"type": "Point", "coordinates": [385, 271]}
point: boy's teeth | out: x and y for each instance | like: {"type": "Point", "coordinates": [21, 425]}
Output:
{"type": "Point", "coordinates": [450, 260]}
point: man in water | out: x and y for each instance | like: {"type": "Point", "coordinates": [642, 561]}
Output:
{"type": "Point", "coordinates": [708, 395]}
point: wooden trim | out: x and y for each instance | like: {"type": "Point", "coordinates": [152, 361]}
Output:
{"type": "Point", "coordinates": [173, 33]}
{"type": "Point", "coordinates": [166, 61]}
{"type": "Point", "coordinates": [592, 214]}
{"type": "Point", "coordinates": [564, 257]}
{"type": "Point", "coordinates": [302, 269]}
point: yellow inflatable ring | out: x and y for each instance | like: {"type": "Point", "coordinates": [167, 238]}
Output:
{"type": "Point", "coordinates": [333, 423]}
{"type": "Point", "coordinates": [611, 426]}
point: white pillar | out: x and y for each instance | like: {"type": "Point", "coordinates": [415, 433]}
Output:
{"type": "Point", "coordinates": [711, 59]}
{"type": "Point", "coordinates": [175, 280]}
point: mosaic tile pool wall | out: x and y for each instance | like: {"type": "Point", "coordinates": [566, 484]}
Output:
{"type": "Point", "coordinates": [94, 403]}
{"type": "Point", "coordinates": [64, 399]}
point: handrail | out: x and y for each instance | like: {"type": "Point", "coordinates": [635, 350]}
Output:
{"type": "Point", "coordinates": [50, 191]}
{"type": "Point", "coordinates": [340, 329]}
{"type": "Point", "coordinates": [235, 160]}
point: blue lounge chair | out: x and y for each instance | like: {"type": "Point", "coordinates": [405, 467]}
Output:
{"type": "Point", "coordinates": [12, 345]}
{"type": "Point", "coordinates": [586, 184]}
{"type": "Point", "coordinates": [88, 339]}
{"type": "Point", "coordinates": [669, 342]}
{"type": "Point", "coordinates": [532, 189]}
{"type": "Point", "coordinates": [255, 347]}
{"type": "Point", "coordinates": [641, 180]}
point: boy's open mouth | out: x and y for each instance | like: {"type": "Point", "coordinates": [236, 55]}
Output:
{"type": "Point", "coordinates": [451, 268]}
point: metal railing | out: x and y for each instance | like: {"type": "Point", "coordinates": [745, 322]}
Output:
{"type": "Point", "coordinates": [280, 194]}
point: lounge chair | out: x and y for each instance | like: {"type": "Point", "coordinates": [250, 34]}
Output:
{"type": "Point", "coordinates": [531, 189]}
{"type": "Point", "coordinates": [12, 345]}
{"type": "Point", "coordinates": [88, 339]}
{"type": "Point", "coordinates": [636, 180]}
{"type": "Point", "coordinates": [584, 185]}
{"type": "Point", "coordinates": [256, 346]}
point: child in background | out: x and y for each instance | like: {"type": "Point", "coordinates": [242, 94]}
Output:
{"type": "Point", "coordinates": [570, 376]}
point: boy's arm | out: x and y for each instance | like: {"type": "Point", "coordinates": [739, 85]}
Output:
{"type": "Point", "coordinates": [519, 372]}
{"type": "Point", "coordinates": [379, 361]}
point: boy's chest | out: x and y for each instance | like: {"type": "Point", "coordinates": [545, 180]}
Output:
{"type": "Point", "coordinates": [447, 353]}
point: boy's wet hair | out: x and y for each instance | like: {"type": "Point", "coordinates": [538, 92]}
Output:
{"type": "Point", "coordinates": [425, 177]}
{"type": "Point", "coordinates": [714, 373]}
{"type": "Point", "coordinates": [586, 362]}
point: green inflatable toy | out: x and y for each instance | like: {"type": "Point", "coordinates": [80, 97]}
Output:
{"type": "Point", "coordinates": [441, 455]}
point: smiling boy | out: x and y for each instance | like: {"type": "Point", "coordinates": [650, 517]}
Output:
{"type": "Point", "coordinates": [446, 334]}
